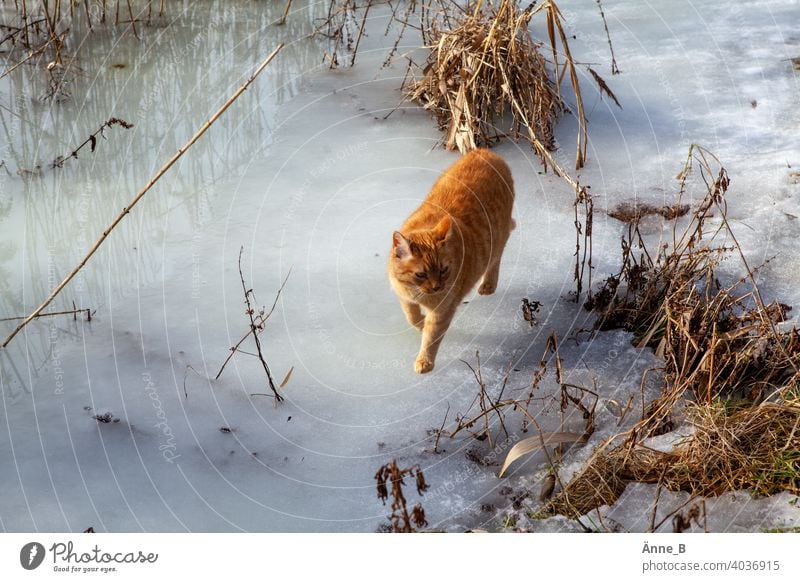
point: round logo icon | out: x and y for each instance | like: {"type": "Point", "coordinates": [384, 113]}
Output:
{"type": "Point", "coordinates": [31, 555]}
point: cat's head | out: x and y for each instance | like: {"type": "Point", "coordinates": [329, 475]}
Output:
{"type": "Point", "coordinates": [425, 261]}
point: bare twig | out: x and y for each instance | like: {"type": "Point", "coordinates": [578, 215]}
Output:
{"type": "Point", "coordinates": [73, 312]}
{"type": "Point", "coordinates": [614, 67]}
{"type": "Point", "coordinates": [360, 33]}
{"type": "Point", "coordinates": [255, 329]}
{"type": "Point", "coordinates": [185, 375]}
{"type": "Point", "coordinates": [91, 141]}
{"type": "Point", "coordinates": [440, 431]}
{"type": "Point", "coordinates": [260, 320]}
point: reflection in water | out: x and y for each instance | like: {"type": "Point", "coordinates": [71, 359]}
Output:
{"type": "Point", "coordinates": [167, 83]}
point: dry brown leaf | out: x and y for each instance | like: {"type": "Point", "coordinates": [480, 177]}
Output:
{"type": "Point", "coordinates": [534, 443]}
{"type": "Point", "coordinates": [604, 88]}
{"type": "Point", "coordinates": [286, 378]}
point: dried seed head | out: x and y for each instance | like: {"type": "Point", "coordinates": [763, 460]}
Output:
{"type": "Point", "coordinates": [418, 516]}
{"type": "Point", "coordinates": [380, 478]}
{"type": "Point", "coordinates": [422, 486]}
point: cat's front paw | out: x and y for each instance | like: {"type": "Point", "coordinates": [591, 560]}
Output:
{"type": "Point", "coordinates": [423, 365]}
{"type": "Point", "coordinates": [419, 324]}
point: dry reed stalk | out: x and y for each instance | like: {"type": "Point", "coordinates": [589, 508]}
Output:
{"type": "Point", "coordinates": [614, 67]}
{"type": "Point", "coordinates": [286, 10]}
{"type": "Point", "coordinates": [140, 195]}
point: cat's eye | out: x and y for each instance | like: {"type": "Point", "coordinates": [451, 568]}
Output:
{"type": "Point", "coordinates": [444, 270]}
{"type": "Point", "coordinates": [421, 275]}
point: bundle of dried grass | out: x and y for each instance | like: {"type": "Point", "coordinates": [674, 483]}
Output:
{"type": "Point", "coordinates": [717, 340]}
{"type": "Point", "coordinates": [755, 448]}
{"type": "Point", "coordinates": [604, 479]}
{"type": "Point", "coordinates": [721, 347]}
{"type": "Point", "coordinates": [484, 63]}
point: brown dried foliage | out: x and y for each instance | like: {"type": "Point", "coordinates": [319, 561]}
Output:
{"type": "Point", "coordinates": [717, 340]}
{"type": "Point", "coordinates": [755, 448]}
{"type": "Point", "coordinates": [390, 481]}
{"type": "Point", "coordinates": [633, 212]}
{"type": "Point", "coordinates": [722, 348]}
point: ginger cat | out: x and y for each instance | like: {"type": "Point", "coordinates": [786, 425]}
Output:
{"type": "Point", "coordinates": [455, 238]}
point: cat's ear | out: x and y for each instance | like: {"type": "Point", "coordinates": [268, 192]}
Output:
{"type": "Point", "coordinates": [401, 246]}
{"type": "Point", "coordinates": [442, 230]}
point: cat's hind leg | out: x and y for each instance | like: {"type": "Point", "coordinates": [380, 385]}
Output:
{"type": "Point", "coordinates": [490, 277]}
{"type": "Point", "coordinates": [492, 274]}
{"type": "Point", "coordinates": [413, 314]}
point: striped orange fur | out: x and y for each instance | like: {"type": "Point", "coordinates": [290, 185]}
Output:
{"type": "Point", "coordinates": [453, 240]}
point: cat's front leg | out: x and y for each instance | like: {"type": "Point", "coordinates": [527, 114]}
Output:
{"type": "Point", "coordinates": [436, 324]}
{"type": "Point", "coordinates": [413, 314]}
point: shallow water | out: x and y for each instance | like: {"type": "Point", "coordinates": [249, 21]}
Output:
{"type": "Point", "coordinates": [307, 177]}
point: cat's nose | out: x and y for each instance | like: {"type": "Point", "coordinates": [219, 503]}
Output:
{"type": "Point", "coordinates": [438, 287]}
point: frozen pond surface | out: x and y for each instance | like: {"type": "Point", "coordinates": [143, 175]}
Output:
{"type": "Point", "coordinates": [307, 176]}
